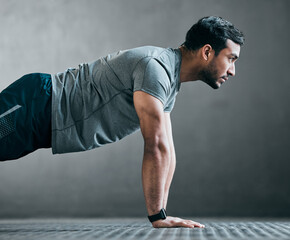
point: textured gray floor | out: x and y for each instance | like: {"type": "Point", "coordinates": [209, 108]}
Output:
{"type": "Point", "coordinates": [139, 229]}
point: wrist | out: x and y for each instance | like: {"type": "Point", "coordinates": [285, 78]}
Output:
{"type": "Point", "coordinates": [157, 223]}
{"type": "Point", "coordinates": [159, 216]}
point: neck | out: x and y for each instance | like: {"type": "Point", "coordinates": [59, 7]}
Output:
{"type": "Point", "coordinates": [190, 67]}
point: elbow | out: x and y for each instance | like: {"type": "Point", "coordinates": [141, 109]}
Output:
{"type": "Point", "coordinates": [157, 148]}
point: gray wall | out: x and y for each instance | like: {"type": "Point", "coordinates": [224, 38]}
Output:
{"type": "Point", "coordinates": [232, 144]}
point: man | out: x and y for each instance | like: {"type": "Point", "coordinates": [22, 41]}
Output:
{"type": "Point", "coordinates": [108, 99]}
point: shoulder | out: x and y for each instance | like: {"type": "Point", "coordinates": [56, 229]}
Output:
{"type": "Point", "coordinates": [146, 51]}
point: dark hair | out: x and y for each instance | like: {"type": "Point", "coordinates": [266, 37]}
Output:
{"type": "Point", "coordinates": [214, 31]}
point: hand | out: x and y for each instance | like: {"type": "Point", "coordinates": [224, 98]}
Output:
{"type": "Point", "coordinates": [171, 222]}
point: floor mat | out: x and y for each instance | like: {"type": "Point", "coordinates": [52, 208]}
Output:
{"type": "Point", "coordinates": [139, 229]}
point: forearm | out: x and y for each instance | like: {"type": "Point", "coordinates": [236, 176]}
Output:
{"type": "Point", "coordinates": [154, 176]}
{"type": "Point", "coordinates": [169, 176]}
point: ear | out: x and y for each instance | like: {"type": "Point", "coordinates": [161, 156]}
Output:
{"type": "Point", "coordinates": [207, 51]}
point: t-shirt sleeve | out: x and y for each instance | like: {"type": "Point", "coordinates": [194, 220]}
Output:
{"type": "Point", "coordinates": [170, 105]}
{"type": "Point", "coordinates": [149, 76]}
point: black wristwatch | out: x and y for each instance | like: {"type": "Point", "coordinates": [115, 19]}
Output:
{"type": "Point", "coordinates": [161, 215]}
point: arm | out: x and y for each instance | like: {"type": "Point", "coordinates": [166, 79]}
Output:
{"type": "Point", "coordinates": [157, 170]}
{"type": "Point", "coordinates": [172, 162]}
{"type": "Point", "coordinates": [156, 149]}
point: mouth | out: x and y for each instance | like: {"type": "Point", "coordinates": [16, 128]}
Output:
{"type": "Point", "coordinates": [224, 79]}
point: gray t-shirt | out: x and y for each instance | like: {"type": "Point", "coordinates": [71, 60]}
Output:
{"type": "Point", "coordinates": [92, 105]}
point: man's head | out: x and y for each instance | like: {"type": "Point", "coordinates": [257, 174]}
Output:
{"type": "Point", "coordinates": [214, 31]}
{"type": "Point", "coordinates": [218, 44]}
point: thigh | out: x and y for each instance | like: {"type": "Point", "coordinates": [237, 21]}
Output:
{"type": "Point", "coordinates": [25, 116]}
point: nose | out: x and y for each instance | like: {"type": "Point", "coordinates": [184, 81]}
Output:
{"type": "Point", "coordinates": [232, 70]}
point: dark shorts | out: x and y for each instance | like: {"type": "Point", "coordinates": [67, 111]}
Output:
{"type": "Point", "coordinates": [25, 116]}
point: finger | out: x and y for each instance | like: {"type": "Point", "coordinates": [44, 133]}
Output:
{"type": "Point", "coordinates": [185, 224]}
{"type": "Point", "coordinates": [196, 224]}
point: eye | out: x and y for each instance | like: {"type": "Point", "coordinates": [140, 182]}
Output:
{"type": "Point", "coordinates": [232, 59]}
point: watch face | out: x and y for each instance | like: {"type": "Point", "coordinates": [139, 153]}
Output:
{"type": "Point", "coordinates": [163, 213]}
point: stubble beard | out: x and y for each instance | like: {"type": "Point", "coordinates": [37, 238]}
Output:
{"type": "Point", "coordinates": [209, 76]}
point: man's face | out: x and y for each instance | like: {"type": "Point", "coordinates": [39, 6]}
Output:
{"type": "Point", "coordinates": [222, 66]}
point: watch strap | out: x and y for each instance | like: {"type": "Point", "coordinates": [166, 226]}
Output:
{"type": "Point", "coordinates": [161, 215]}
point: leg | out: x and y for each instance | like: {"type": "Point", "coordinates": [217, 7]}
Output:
{"type": "Point", "coordinates": [25, 116]}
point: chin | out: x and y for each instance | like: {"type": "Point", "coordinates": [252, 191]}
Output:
{"type": "Point", "coordinates": [216, 86]}
{"type": "Point", "coordinates": [213, 84]}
